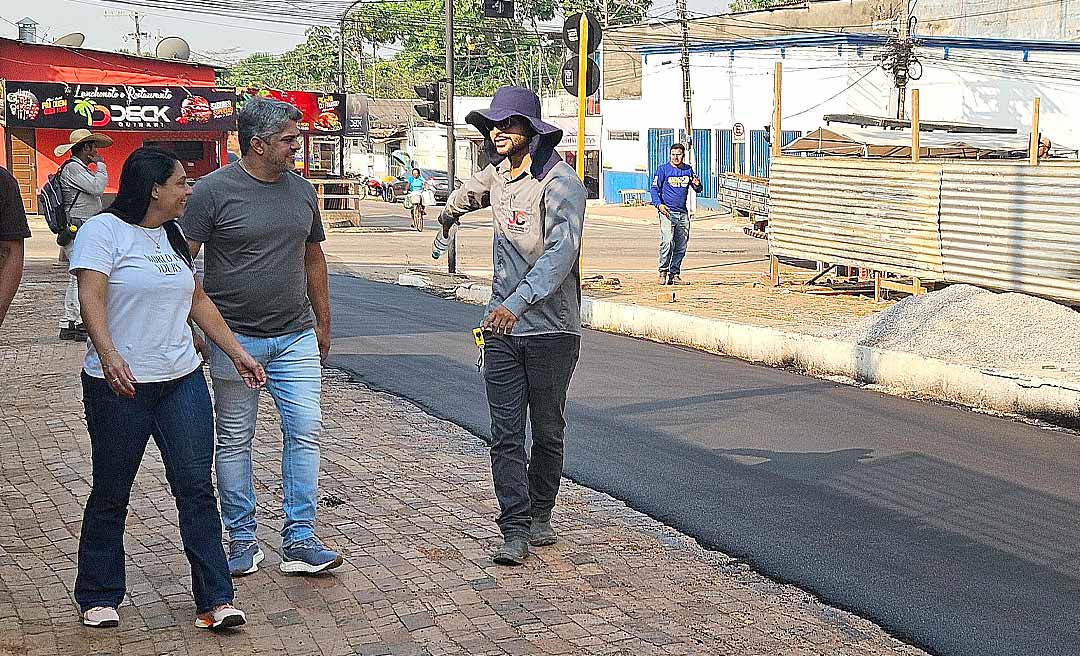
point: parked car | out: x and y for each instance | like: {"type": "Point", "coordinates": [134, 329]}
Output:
{"type": "Point", "coordinates": [396, 191]}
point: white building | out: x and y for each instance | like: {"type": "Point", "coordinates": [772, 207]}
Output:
{"type": "Point", "coordinates": [970, 80]}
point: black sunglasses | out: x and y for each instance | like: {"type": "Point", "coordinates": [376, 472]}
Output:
{"type": "Point", "coordinates": [505, 123]}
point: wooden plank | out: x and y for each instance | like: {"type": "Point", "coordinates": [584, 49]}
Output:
{"type": "Point", "coordinates": [777, 135]}
{"type": "Point", "coordinates": [915, 148]}
{"type": "Point", "coordinates": [1033, 146]}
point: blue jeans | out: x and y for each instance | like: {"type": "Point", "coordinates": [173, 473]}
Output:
{"type": "Point", "coordinates": [674, 236]}
{"type": "Point", "coordinates": [178, 415]}
{"type": "Point", "coordinates": [527, 379]}
{"type": "Point", "coordinates": [294, 379]}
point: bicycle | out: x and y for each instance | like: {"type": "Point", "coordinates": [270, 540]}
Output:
{"type": "Point", "coordinates": [417, 198]}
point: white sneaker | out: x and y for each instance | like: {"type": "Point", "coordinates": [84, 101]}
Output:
{"type": "Point", "coordinates": [101, 617]}
{"type": "Point", "coordinates": [222, 617]}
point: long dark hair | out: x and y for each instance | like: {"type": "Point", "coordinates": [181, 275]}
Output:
{"type": "Point", "coordinates": [143, 169]}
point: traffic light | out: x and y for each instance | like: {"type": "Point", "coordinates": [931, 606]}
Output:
{"type": "Point", "coordinates": [430, 109]}
{"type": "Point", "coordinates": [499, 9]}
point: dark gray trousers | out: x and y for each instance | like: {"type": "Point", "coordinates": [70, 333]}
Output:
{"type": "Point", "coordinates": [527, 378]}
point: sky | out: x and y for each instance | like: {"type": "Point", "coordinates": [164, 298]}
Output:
{"type": "Point", "coordinates": [204, 33]}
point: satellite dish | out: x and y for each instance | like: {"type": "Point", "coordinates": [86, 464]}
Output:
{"type": "Point", "coordinates": [73, 40]}
{"type": "Point", "coordinates": [173, 47]}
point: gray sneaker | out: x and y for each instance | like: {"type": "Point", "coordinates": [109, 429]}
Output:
{"type": "Point", "coordinates": [244, 557]}
{"type": "Point", "coordinates": [541, 534]}
{"type": "Point", "coordinates": [309, 557]}
{"type": "Point", "coordinates": [513, 551]}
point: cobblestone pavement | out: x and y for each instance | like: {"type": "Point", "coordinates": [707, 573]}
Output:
{"type": "Point", "coordinates": [408, 499]}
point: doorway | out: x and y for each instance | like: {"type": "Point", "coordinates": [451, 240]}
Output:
{"type": "Point", "coordinates": [22, 158]}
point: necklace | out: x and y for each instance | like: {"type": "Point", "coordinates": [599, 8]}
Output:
{"type": "Point", "coordinates": [146, 231]}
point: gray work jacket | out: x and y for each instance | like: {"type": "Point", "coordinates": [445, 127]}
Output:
{"type": "Point", "coordinates": [538, 225]}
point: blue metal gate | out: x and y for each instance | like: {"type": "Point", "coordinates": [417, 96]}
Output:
{"type": "Point", "coordinates": [730, 153]}
{"type": "Point", "coordinates": [660, 140]}
{"type": "Point", "coordinates": [725, 152]}
{"type": "Point", "coordinates": [760, 150]}
{"type": "Point", "coordinates": [759, 154]}
{"type": "Point", "coordinates": [703, 162]}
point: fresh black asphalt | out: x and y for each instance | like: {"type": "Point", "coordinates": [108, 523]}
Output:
{"type": "Point", "coordinates": [955, 531]}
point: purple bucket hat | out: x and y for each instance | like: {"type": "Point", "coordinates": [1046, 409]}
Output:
{"type": "Point", "coordinates": [512, 101]}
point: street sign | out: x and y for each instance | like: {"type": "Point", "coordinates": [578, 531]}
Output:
{"type": "Point", "coordinates": [571, 28]}
{"type": "Point", "coordinates": [738, 131]}
{"type": "Point", "coordinates": [499, 9]}
{"type": "Point", "coordinates": [570, 76]}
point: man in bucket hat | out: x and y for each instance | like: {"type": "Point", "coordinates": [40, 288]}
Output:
{"type": "Point", "coordinates": [532, 327]}
{"type": "Point", "coordinates": [82, 189]}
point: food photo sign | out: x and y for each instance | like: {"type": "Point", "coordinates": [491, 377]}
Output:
{"type": "Point", "coordinates": [105, 107]}
{"type": "Point", "coordinates": [323, 113]}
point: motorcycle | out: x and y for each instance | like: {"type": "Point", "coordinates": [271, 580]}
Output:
{"type": "Point", "coordinates": [372, 187]}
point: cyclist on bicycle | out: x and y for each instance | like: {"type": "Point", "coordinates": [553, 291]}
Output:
{"type": "Point", "coordinates": [416, 183]}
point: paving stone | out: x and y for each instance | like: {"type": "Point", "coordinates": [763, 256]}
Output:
{"type": "Point", "coordinates": [407, 498]}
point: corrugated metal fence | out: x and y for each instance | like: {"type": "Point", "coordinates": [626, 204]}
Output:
{"type": "Point", "coordinates": [843, 211]}
{"type": "Point", "coordinates": [1003, 225]}
{"type": "Point", "coordinates": [1013, 227]}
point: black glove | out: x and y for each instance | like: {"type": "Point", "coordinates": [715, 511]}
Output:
{"type": "Point", "coordinates": [447, 221]}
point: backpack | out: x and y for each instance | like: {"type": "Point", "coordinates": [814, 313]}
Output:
{"type": "Point", "coordinates": [51, 202]}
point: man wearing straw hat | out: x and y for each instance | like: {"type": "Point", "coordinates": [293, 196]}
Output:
{"type": "Point", "coordinates": [532, 331]}
{"type": "Point", "coordinates": [82, 190]}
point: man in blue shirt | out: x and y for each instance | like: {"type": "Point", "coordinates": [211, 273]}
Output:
{"type": "Point", "coordinates": [670, 186]}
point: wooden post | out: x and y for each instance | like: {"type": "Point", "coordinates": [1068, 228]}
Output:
{"type": "Point", "coordinates": [777, 85]}
{"type": "Point", "coordinates": [1033, 147]}
{"type": "Point", "coordinates": [915, 148]}
{"type": "Point", "coordinates": [877, 287]}
{"type": "Point", "coordinates": [774, 270]}
{"type": "Point", "coordinates": [583, 69]}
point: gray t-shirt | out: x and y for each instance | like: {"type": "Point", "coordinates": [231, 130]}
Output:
{"type": "Point", "coordinates": [255, 235]}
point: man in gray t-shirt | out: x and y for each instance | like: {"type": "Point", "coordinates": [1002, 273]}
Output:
{"type": "Point", "coordinates": [256, 234]}
{"type": "Point", "coordinates": [266, 272]}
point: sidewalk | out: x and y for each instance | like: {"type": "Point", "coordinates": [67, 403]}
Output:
{"type": "Point", "coordinates": [408, 499]}
{"type": "Point", "coordinates": [704, 219]}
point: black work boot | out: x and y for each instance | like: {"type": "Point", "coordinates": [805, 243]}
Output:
{"type": "Point", "coordinates": [541, 534]}
{"type": "Point", "coordinates": [513, 551]}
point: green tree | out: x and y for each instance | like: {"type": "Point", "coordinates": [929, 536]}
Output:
{"type": "Point", "coordinates": [488, 52]}
{"type": "Point", "coordinates": [751, 5]}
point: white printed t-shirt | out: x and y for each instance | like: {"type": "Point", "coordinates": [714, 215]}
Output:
{"type": "Point", "coordinates": [148, 298]}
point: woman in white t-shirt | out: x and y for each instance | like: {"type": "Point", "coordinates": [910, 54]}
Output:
{"type": "Point", "coordinates": [142, 377]}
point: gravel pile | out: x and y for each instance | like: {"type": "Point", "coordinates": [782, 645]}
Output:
{"type": "Point", "coordinates": [962, 323]}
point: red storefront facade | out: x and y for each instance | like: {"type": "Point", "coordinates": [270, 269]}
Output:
{"type": "Point", "coordinates": [27, 147]}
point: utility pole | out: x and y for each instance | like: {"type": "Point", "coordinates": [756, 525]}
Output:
{"type": "Point", "coordinates": [905, 36]}
{"type": "Point", "coordinates": [684, 63]}
{"type": "Point", "coordinates": [138, 34]}
{"type": "Point", "coordinates": [688, 109]}
{"type": "Point", "coordinates": [451, 144]}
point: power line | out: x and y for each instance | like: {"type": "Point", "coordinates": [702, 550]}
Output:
{"type": "Point", "coordinates": [835, 95]}
{"type": "Point", "coordinates": [186, 19]}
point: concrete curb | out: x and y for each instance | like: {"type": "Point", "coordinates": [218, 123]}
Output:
{"type": "Point", "coordinates": [896, 371]}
